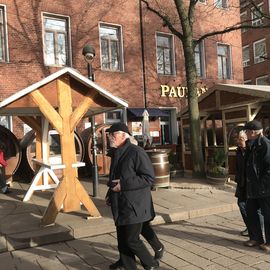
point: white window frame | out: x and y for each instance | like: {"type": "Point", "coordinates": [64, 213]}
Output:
{"type": "Point", "coordinates": [121, 46]}
{"type": "Point", "coordinates": [248, 82]}
{"type": "Point", "coordinates": [68, 37]}
{"type": "Point", "coordinates": [262, 78]}
{"type": "Point", "coordinates": [246, 62]}
{"type": "Point", "coordinates": [6, 121]}
{"type": "Point", "coordinates": [5, 33]}
{"type": "Point", "coordinates": [202, 59]}
{"type": "Point", "coordinates": [117, 120]}
{"type": "Point", "coordinates": [256, 21]}
{"type": "Point", "coordinates": [229, 77]}
{"type": "Point", "coordinates": [262, 57]}
{"type": "Point", "coordinates": [245, 15]}
{"type": "Point", "coordinates": [224, 4]}
{"type": "Point", "coordinates": [171, 38]}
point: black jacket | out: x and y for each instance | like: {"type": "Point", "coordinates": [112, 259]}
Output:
{"type": "Point", "coordinates": [132, 166]}
{"type": "Point", "coordinates": [240, 176]}
{"type": "Point", "coordinates": [258, 168]}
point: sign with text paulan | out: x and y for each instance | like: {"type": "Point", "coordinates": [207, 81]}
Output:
{"type": "Point", "coordinates": [178, 91]}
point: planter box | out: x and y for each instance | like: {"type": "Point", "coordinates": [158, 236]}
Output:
{"type": "Point", "coordinates": [217, 180]}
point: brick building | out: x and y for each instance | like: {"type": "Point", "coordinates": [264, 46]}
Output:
{"type": "Point", "coordinates": [136, 55]}
{"type": "Point", "coordinates": [256, 44]}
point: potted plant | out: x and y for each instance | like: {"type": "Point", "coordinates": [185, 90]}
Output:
{"type": "Point", "coordinates": [216, 171]}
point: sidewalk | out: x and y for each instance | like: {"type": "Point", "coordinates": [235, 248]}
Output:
{"type": "Point", "coordinates": [20, 222]}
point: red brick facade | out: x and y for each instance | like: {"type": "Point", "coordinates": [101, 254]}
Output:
{"type": "Point", "coordinates": [25, 62]}
{"type": "Point", "coordinates": [253, 71]}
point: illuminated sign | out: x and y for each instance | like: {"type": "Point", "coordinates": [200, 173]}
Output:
{"type": "Point", "coordinates": [178, 91]}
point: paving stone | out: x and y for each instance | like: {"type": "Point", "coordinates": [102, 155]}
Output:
{"type": "Point", "coordinates": [249, 260]}
{"type": "Point", "coordinates": [3, 244]}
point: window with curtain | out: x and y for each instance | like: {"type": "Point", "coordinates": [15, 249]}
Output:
{"type": "Point", "coordinates": [165, 55]}
{"type": "Point", "coordinates": [56, 48]}
{"type": "Point", "coordinates": [259, 50]}
{"type": "Point", "coordinates": [3, 36]}
{"type": "Point", "coordinates": [256, 15]}
{"type": "Point", "coordinates": [199, 59]}
{"type": "Point", "coordinates": [246, 60]}
{"type": "Point", "coordinates": [111, 47]}
{"type": "Point", "coordinates": [224, 61]}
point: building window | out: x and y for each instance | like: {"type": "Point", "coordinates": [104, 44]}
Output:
{"type": "Point", "coordinates": [111, 47]}
{"type": "Point", "coordinates": [3, 36]}
{"type": "Point", "coordinates": [221, 3]}
{"type": "Point", "coordinates": [56, 43]}
{"type": "Point", "coordinates": [246, 60]}
{"type": "Point", "coordinates": [6, 121]}
{"type": "Point", "coordinates": [224, 61]}
{"type": "Point", "coordinates": [263, 80]}
{"type": "Point", "coordinates": [248, 82]}
{"type": "Point", "coordinates": [257, 15]}
{"type": "Point", "coordinates": [259, 50]}
{"type": "Point", "coordinates": [165, 55]}
{"type": "Point", "coordinates": [113, 117]}
{"type": "Point", "coordinates": [199, 59]}
{"type": "Point", "coordinates": [244, 21]}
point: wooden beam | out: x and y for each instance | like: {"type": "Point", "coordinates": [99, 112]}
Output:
{"type": "Point", "coordinates": [48, 111]}
{"type": "Point", "coordinates": [32, 122]}
{"type": "Point", "coordinates": [80, 111]}
{"type": "Point", "coordinates": [68, 149]}
{"type": "Point", "coordinates": [55, 204]}
{"type": "Point", "coordinates": [85, 199]}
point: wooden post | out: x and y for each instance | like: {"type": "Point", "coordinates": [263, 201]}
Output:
{"type": "Point", "coordinates": [70, 192]}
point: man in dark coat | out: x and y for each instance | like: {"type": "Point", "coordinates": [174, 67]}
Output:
{"type": "Point", "coordinates": [129, 194]}
{"type": "Point", "coordinates": [258, 185]}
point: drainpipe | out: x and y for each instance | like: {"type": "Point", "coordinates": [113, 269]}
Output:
{"type": "Point", "coordinates": [142, 52]}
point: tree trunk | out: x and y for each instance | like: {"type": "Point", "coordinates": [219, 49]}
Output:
{"type": "Point", "coordinates": [194, 115]}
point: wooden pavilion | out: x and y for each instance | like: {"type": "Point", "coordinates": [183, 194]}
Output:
{"type": "Point", "coordinates": [224, 109]}
{"type": "Point", "coordinates": [60, 100]}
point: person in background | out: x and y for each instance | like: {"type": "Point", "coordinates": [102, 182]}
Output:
{"type": "Point", "coordinates": [3, 186]}
{"type": "Point", "coordinates": [129, 195]}
{"type": "Point", "coordinates": [258, 185]}
{"type": "Point", "coordinates": [240, 177]}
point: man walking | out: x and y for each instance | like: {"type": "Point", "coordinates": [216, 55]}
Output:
{"type": "Point", "coordinates": [129, 194]}
{"type": "Point", "coordinates": [258, 185]}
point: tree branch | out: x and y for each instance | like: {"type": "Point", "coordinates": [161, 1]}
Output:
{"type": "Point", "coordinates": [165, 19]}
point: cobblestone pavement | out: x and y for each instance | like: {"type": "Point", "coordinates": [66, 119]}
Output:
{"type": "Point", "coordinates": [211, 242]}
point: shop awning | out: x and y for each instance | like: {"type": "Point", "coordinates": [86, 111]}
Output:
{"type": "Point", "coordinates": [153, 112]}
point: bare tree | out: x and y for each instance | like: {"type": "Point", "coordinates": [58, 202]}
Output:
{"type": "Point", "coordinates": [179, 16]}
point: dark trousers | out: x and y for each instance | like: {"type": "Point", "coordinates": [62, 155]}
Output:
{"type": "Point", "coordinates": [253, 219]}
{"type": "Point", "coordinates": [2, 179]}
{"type": "Point", "coordinates": [150, 236]}
{"type": "Point", "coordinates": [130, 245]}
{"type": "Point", "coordinates": [242, 204]}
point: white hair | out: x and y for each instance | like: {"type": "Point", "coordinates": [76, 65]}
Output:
{"type": "Point", "coordinates": [243, 134]}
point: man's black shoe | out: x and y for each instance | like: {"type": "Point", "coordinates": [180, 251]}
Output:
{"type": "Point", "coordinates": [152, 268]}
{"type": "Point", "coordinates": [116, 265]}
{"type": "Point", "coordinates": [159, 253]}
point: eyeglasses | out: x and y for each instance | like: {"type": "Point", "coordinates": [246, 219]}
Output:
{"type": "Point", "coordinates": [114, 133]}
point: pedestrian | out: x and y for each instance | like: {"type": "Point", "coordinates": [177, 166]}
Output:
{"type": "Point", "coordinates": [258, 185]}
{"type": "Point", "coordinates": [240, 178]}
{"type": "Point", "coordinates": [129, 195]}
{"type": "Point", "coordinates": [3, 163]}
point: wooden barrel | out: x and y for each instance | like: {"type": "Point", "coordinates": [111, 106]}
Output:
{"type": "Point", "coordinates": [28, 146]}
{"type": "Point", "coordinates": [103, 161]}
{"type": "Point", "coordinates": [161, 166]}
{"type": "Point", "coordinates": [12, 152]}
